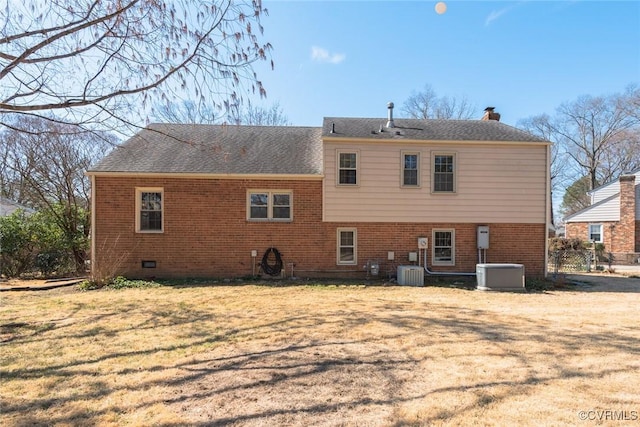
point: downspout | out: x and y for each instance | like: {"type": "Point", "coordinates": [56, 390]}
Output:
{"type": "Point", "coordinates": [547, 211]}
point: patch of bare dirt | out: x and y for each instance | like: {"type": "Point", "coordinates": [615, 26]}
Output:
{"type": "Point", "coordinates": [328, 383]}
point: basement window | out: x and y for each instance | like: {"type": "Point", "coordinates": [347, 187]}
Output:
{"type": "Point", "coordinates": [347, 246]}
{"type": "Point", "coordinates": [443, 247]}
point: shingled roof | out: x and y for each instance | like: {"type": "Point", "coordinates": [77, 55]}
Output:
{"type": "Point", "coordinates": [218, 149]}
{"type": "Point", "coordinates": [7, 207]}
{"type": "Point", "coordinates": [425, 130]}
{"type": "Point", "coordinates": [279, 150]}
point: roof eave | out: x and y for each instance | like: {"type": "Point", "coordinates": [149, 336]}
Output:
{"type": "Point", "coordinates": [345, 138]}
{"type": "Point", "coordinates": [187, 175]}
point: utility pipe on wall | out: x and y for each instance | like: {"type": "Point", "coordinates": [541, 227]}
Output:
{"type": "Point", "coordinates": [434, 273]}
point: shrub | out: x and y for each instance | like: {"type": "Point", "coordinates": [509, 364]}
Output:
{"type": "Point", "coordinates": [119, 282]}
{"type": "Point", "coordinates": [16, 244]}
{"type": "Point", "coordinates": [111, 260]}
{"type": "Point", "coordinates": [34, 242]}
{"type": "Point", "coordinates": [52, 261]}
{"type": "Point", "coordinates": [564, 244]}
{"type": "Point", "coordinates": [60, 230]}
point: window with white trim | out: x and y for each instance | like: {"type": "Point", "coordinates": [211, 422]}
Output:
{"type": "Point", "coordinates": [443, 251]}
{"type": "Point", "coordinates": [595, 233]}
{"type": "Point", "coordinates": [266, 205]}
{"type": "Point", "coordinates": [444, 173]}
{"type": "Point", "coordinates": [149, 210]}
{"type": "Point", "coordinates": [410, 169]}
{"type": "Point", "coordinates": [347, 168]}
{"type": "Point", "coordinates": [347, 246]}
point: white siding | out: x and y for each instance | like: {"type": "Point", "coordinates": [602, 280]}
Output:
{"type": "Point", "coordinates": [607, 211]}
{"type": "Point", "coordinates": [608, 190]}
{"type": "Point", "coordinates": [605, 191]}
{"type": "Point", "coordinates": [494, 183]}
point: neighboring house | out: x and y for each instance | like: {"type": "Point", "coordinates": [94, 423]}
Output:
{"type": "Point", "coordinates": [7, 207]}
{"type": "Point", "coordinates": [559, 231]}
{"type": "Point", "coordinates": [209, 200]}
{"type": "Point", "coordinates": [613, 218]}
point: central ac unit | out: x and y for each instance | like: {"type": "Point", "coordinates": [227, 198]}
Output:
{"type": "Point", "coordinates": [410, 275]}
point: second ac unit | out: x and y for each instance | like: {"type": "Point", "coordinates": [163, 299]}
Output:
{"type": "Point", "coordinates": [410, 275]}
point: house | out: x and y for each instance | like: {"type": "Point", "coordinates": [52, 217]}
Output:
{"type": "Point", "coordinates": [613, 218]}
{"type": "Point", "coordinates": [184, 200]}
{"type": "Point", "coordinates": [7, 207]}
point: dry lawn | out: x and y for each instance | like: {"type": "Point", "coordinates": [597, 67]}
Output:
{"type": "Point", "coordinates": [319, 356]}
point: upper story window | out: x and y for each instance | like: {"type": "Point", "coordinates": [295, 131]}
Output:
{"type": "Point", "coordinates": [595, 233]}
{"type": "Point", "coordinates": [347, 168]}
{"type": "Point", "coordinates": [444, 170]}
{"type": "Point", "coordinates": [269, 205]}
{"type": "Point", "coordinates": [149, 210]}
{"type": "Point", "coordinates": [410, 169]}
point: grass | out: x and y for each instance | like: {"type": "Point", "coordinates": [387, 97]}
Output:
{"type": "Point", "coordinates": [316, 355]}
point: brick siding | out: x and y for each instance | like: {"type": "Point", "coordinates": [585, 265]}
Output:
{"type": "Point", "coordinates": [612, 235]}
{"type": "Point", "coordinates": [622, 238]}
{"type": "Point", "coordinates": [626, 229]}
{"type": "Point", "coordinates": [206, 233]}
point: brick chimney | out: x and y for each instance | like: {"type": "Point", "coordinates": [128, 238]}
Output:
{"type": "Point", "coordinates": [626, 229]}
{"type": "Point", "coordinates": [489, 114]}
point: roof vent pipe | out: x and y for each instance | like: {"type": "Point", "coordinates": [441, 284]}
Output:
{"type": "Point", "coordinates": [333, 128]}
{"type": "Point", "coordinates": [390, 119]}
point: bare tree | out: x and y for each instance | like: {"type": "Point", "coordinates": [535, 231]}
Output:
{"type": "Point", "coordinates": [239, 114]}
{"type": "Point", "coordinates": [427, 105]}
{"type": "Point", "coordinates": [592, 130]}
{"type": "Point", "coordinates": [97, 62]}
{"type": "Point", "coordinates": [541, 126]}
{"type": "Point", "coordinates": [185, 112]}
{"type": "Point", "coordinates": [622, 155]}
{"type": "Point", "coordinates": [421, 105]}
{"type": "Point", "coordinates": [260, 116]}
{"type": "Point", "coordinates": [595, 140]}
{"type": "Point", "coordinates": [44, 169]}
{"type": "Point", "coordinates": [455, 108]}
{"type": "Point", "coordinates": [631, 101]}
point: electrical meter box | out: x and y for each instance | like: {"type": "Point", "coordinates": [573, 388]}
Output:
{"type": "Point", "coordinates": [483, 237]}
{"type": "Point", "coordinates": [423, 243]}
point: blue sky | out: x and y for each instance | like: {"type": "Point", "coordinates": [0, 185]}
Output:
{"type": "Point", "coordinates": [349, 58]}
